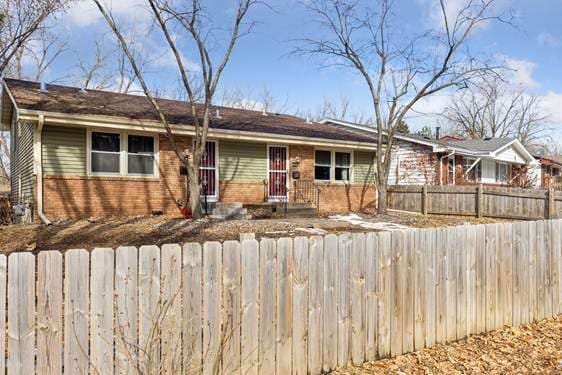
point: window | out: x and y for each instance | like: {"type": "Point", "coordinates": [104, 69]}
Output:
{"type": "Point", "coordinates": [332, 165]}
{"type": "Point", "coordinates": [472, 173]}
{"type": "Point", "coordinates": [451, 170]}
{"type": "Point", "coordinates": [503, 172]}
{"type": "Point", "coordinates": [140, 156]}
{"type": "Point", "coordinates": [106, 149]}
{"type": "Point", "coordinates": [322, 165]}
{"type": "Point", "coordinates": [343, 166]}
{"type": "Point", "coordinates": [122, 154]}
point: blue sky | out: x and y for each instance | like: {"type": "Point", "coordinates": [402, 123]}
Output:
{"type": "Point", "coordinates": [533, 48]}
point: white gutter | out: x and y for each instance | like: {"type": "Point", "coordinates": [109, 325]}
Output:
{"type": "Point", "coordinates": [441, 166]}
{"type": "Point", "coordinates": [38, 165]}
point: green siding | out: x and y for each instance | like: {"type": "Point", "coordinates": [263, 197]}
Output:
{"type": "Point", "coordinates": [22, 165]}
{"type": "Point", "coordinates": [242, 161]}
{"type": "Point", "coordinates": [364, 167]}
{"type": "Point", "coordinates": [64, 151]}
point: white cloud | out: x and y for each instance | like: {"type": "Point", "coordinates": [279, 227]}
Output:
{"type": "Point", "coordinates": [166, 59]}
{"type": "Point", "coordinates": [85, 12]}
{"type": "Point", "coordinates": [521, 72]}
{"type": "Point", "coordinates": [551, 105]}
{"type": "Point", "coordinates": [547, 39]}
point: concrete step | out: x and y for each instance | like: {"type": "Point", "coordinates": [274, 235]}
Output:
{"type": "Point", "coordinates": [228, 211]}
{"type": "Point", "coordinates": [229, 205]}
{"type": "Point", "coordinates": [231, 217]}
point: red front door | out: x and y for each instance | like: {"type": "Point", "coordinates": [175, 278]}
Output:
{"type": "Point", "coordinates": [277, 169]}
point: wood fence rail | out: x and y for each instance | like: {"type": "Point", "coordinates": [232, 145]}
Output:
{"type": "Point", "coordinates": [302, 305]}
{"type": "Point", "coordinates": [479, 201]}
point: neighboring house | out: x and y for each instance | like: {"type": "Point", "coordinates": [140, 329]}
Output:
{"type": "Point", "coordinates": [551, 170]}
{"type": "Point", "coordinates": [449, 160]}
{"type": "Point", "coordinates": [89, 153]}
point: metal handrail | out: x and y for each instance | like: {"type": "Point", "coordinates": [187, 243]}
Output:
{"type": "Point", "coordinates": [306, 191]}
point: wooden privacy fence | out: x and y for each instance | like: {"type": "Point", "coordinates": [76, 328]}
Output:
{"type": "Point", "coordinates": [274, 306]}
{"type": "Point", "coordinates": [480, 201]}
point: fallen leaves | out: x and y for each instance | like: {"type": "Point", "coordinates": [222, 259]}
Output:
{"type": "Point", "coordinates": [530, 349]}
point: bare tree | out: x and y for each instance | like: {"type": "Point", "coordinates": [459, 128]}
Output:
{"type": "Point", "coordinates": [191, 22]}
{"type": "Point", "coordinates": [494, 108]}
{"type": "Point", "coordinates": [19, 21]}
{"type": "Point", "coordinates": [246, 99]}
{"type": "Point", "coordinates": [399, 70]}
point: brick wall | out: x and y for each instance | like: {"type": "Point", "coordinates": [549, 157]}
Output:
{"type": "Point", "coordinates": [342, 198]}
{"type": "Point", "coordinates": [80, 197]}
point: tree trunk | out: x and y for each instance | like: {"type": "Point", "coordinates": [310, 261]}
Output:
{"type": "Point", "coordinates": [194, 192]}
{"type": "Point", "coordinates": [382, 199]}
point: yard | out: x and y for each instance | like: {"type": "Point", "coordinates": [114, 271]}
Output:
{"type": "Point", "coordinates": [137, 231]}
{"type": "Point", "coordinates": [529, 349]}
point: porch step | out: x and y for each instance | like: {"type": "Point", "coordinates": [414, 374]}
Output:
{"type": "Point", "coordinates": [229, 211]}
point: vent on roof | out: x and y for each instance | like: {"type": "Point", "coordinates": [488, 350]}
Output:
{"type": "Point", "coordinates": [308, 120]}
{"type": "Point", "coordinates": [264, 113]}
{"type": "Point", "coordinates": [218, 114]}
{"type": "Point", "coordinates": [43, 88]}
{"type": "Point", "coordinates": [83, 90]}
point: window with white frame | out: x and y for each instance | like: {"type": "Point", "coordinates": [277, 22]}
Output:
{"type": "Point", "coordinates": [332, 166]}
{"type": "Point", "coordinates": [106, 153]}
{"type": "Point", "coordinates": [472, 170]}
{"type": "Point", "coordinates": [122, 154]}
{"type": "Point", "coordinates": [322, 165]}
{"type": "Point", "coordinates": [503, 172]}
{"type": "Point", "coordinates": [140, 155]}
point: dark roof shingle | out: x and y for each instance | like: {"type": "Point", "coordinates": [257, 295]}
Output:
{"type": "Point", "coordinates": [69, 100]}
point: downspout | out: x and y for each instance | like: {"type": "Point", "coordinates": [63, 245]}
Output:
{"type": "Point", "coordinates": [38, 162]}
{"type": "Point", "coordinates": [441, 166]}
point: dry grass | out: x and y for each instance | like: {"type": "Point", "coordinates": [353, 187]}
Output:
{"type": "Point", "coordinates": [529, 349]}
{"type": "Point", "coordinates": [136, 231]}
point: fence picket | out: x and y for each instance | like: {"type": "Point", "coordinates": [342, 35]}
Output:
{"type": "Point", "coordinates": [452, 257]}
{"type": "Point", "coordinates": [212, 332]}
{"type": "Point", "coordinates": [231, 307]}
{"type": "Point", "coordinates": [330, 304]}
{"type": "Point", "coordinates": [371, 300]}
{"type": "Point", "coordinates": [408, 285]}
{"type": "Point", "coordinates": [250, 295]}
{"type": "Point", "coordinates": [358, 298]}
{"type": "Point", "coordinates": [101, 311]}
{"type": "Point", "coordinates": [480, 278]}
{"type": "Point", "coordinates": [49, 312]}
{"type": "Point", "coordinates": [533, 265]}
{"type": "Point", "coordinates": [315, 287]}
{"type": "Point", "coordinates": [384, 282]}
{"type": "Point", "coordinates": [541, 271]}
{"type": "Point", "coordinates": [3, 298]}
{"type": "Point", "coordinates": [344, 298]}
{"type": "Point", "coordinates": [285, 305]}
{"type": "Point", "coordinates": [420, 270]}
{"type": "Point", "coordinates": [396, 317]}
{"type": "Point", "coordinates": [21, 313]}
{"type": "Point", "coordinates": [490, 278]}
{"type": "Point", "coordinates": [471, 258]}
{"type": "Point", "coordinates": [461, 281]}
{"type": "Point", "coordinates": [441, 286]}
{"type": "Point", "coordinates": [507, 273]}
{"type": "Point", "coordinates": [192, 311]}
{"type": "Point", "coordinates": [126, 327]}
{"type": "Point", "coordinates": [268, 280]}
{"type": "Point", "coordinates": [428, 254]}
{"type": "Point", "coordinates": [76, 301]}
{"type": "Point", "coordinates": [170, 301]}
{"type": "Point", "coordinates": [300, 306]}
{"type": "Point", "coordinates": [149, 311]}
{"type": "Point", "coordinates": [556, 233]}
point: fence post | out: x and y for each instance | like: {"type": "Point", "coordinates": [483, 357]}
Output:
{"type": "Point", "coordinates": [480, 201]}
{"type": "Point", "coordinates": [425, 200]}
{"type": "Point", "coordinates": [551, 203]}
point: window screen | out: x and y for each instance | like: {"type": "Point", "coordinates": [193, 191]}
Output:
{"type": "Point", "coordinates": [322, 165]}
{"type": "Point", "coordinates": [105, 157]}
{"type": "Point", "coordinates": [140, 157]}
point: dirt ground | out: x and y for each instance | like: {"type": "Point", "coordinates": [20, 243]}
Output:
{"type": "Point", "coordinates": [530, 349]}
{"type": "Point", "coordinates": [137, 231]}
